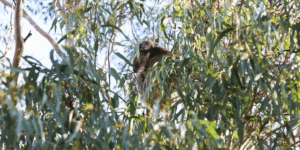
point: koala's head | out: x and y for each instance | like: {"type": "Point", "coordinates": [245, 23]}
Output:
{"type": "Point", "coordinates": [149, 52]}
{"type": "Point", "coordinates": [146, 45]}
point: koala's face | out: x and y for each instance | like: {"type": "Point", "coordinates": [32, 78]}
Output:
{"type": "Point", "coordinates": [146, 45]}
{"type": "Point", "coordinates": [144, 48]}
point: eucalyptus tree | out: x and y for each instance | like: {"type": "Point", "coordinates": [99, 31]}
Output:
{"type": "Point", "coordinates": [234, 69]}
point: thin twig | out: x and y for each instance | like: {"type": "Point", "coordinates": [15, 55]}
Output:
{"type": "Point", "coordinates": [28, 35]}
{"type": "Point", "coordinates": [3, 55]}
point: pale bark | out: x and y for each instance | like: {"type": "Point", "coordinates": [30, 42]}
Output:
{"type": "Point", "coordinates": [19, 40]}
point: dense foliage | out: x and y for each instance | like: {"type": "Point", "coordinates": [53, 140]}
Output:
{"type": "Point", "coordinates": [235, 69]}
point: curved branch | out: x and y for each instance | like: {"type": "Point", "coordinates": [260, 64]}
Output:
{"type": "Point", "coordinates": [41, 31]}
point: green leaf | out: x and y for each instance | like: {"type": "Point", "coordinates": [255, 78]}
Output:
{"type": "Point", "coordinates": [221, 35]}
{"type": "Point", "coordinates": [124, 58]}
{"type": "Point", "coordinates": [65, 36]}
{"type": "Point", "coordinates": [115, 101]}
{"type": "Point", "coordinates": [114, 73]}
{"type": "Point", "coordinates": [53, 25]}
{"type": "Point", "coordinates": [113, 26]}
{"type": "Point", "coordinates": [166, 130]}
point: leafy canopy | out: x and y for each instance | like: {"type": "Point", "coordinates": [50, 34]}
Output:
{"type": "Point", "coordinates": [235, 70]}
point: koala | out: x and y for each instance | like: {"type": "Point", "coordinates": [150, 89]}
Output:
{"type": "Point", "coordinates": [149, 53]}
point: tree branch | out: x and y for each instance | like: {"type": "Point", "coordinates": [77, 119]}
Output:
{"type": "Point", "coordinates": [57, 4]}
{"type": "Point", "coordinates": [19, 40]}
